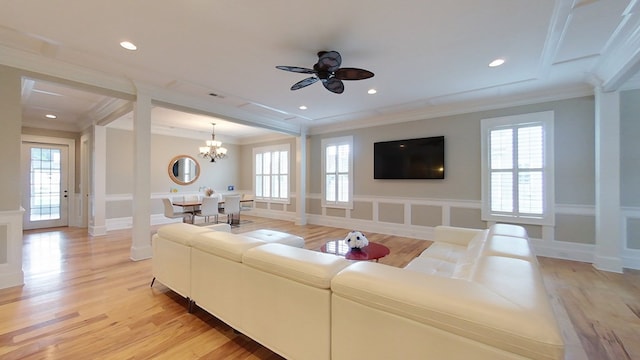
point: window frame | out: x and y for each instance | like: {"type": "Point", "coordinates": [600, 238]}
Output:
{"type": "Point", "coordinates": [271, 149]}
{"type": "Point", "coordinates": [337, 141]}
{"type": "Point", "coordinates": [544, 119]}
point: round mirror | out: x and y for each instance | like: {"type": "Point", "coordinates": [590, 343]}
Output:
{"type": "Point", "coordinates": [184, 170]}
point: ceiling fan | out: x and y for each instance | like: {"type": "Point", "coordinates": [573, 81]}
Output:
{"type": "Point", "coordinates": [328, 70]}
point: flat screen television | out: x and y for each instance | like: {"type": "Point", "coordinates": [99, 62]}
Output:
{"type": "Point", "coordinates": [409, 159]}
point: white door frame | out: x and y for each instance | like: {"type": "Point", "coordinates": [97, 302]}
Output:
{"type": "Point", "coordinates": [71, 169]}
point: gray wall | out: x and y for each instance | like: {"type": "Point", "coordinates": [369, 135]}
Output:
{"type": "Point", "coordinates": [119, 168]}
{"type": "Point", "coordinates": [10, 143]}
{"type": "Point", "coordinates": [574, 168]}
{"type": "Point", "coordinates": [574, 154]}
{"type": "Point", "coordinates": [630, 163]}
{"type": "Point", "coordinates": [630, 148]}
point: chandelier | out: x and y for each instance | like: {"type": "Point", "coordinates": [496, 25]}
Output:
{"type": "Point", "coordinates": [214, 149]}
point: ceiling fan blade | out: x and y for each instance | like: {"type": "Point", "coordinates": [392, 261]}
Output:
{"type": "Point", "coordinates": [353, 74]}
{"type": "Point", "coordinates": [302, 83]}
{"type": "Point", "coordinates": [334, 85]}
{"type": "Point", "coordinates": [328, 61]}
{"type": "Point", "coordinates": [296, 69]}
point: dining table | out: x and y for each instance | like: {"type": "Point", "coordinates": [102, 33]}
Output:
{"type": "Point", "coordinates": [195, 206]}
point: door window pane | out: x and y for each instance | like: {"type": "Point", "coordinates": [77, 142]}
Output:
{"type": "Point", "coordinates": [45, 184]}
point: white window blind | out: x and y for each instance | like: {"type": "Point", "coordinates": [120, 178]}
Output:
{"type": "Point", "coordinates": [517, 165]}
{"type": "Point", "coordinates": [271, 173]}
{"type": "Point", "coordinates": [337, 172]}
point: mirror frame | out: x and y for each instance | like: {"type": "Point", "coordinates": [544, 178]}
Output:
{"type": "Point", "coordinates": [174, 178]}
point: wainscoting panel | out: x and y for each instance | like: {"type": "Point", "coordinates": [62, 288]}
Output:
{"type": "Point", "coordinates": [11, 248]}
{"type": "Point", "coordinates": [572, 237]}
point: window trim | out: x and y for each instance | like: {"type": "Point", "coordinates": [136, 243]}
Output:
{"type": "Point", "coordinates": [269, 149]}
{"type": "Point", "coordinates": [546, 119]}
{"type": "Point", "coordinates": [343, 140]}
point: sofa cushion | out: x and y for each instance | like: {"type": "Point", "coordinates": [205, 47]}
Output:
{"type": "Point", "coordinates": [509, 246]}
{"type": "Point", "coordinates": [444, 251]}
{"type": "Point", "coordinates": [224, 244]}
{"type": "Point", "coordinates": [180, 232]}
{"type": "Point", "coordinates": [508, 230]}
{"type": "Point", "coordinates": [272, 236]}
{"type": "Point", "coordinates": [305, 266]}
{"type": "Point", "coordinates": [431, 266]}
{"type": "Point", "coordinates": [454, 235]}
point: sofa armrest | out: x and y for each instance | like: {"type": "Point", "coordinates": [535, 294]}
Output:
{"type": "Point", "coordinates": [455, 235]}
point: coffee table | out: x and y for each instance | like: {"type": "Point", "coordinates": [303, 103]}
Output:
{"type": "Point", "coordinates": [373, 251]}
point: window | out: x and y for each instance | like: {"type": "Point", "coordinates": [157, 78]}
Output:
{"type": "Point", "coordinates": [337, 179]}
{"type": "Point", "coordinates": [271, 173]}
{"type": "Point", "coordinates": [517, 169]}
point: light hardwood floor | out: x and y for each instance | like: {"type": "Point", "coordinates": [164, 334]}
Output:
{"type": "Point", "coordinates": [84, 299]}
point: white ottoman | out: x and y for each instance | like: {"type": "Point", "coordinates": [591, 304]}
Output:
{"type": "Point", "coordinates": [272, 236]}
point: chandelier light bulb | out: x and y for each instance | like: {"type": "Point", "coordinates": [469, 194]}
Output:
{"type": "Point", "coordinates": [214, 149]}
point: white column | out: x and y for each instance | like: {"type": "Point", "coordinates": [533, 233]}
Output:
{"type": "Point", "coordinates": [301, 179]}
{"type": "Point", "coordinates": [608, 222]}
{"type": "Point", "coordinates": [141, 236]}
{"type": "Point", "coordinates": [97, 202]}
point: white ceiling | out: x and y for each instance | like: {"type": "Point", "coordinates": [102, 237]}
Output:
{"type": "Point", "coordinates": [429, 57]}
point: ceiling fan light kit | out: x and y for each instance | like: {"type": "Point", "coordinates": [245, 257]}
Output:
{"type": "Point", "coordinates": [328, 71]}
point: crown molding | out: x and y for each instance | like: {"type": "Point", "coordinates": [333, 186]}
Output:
{"type": "Point", "coordinates": [60, 71]}
{"type": "Point", "coordinates": [458, 108]}
{"type": "Point", "coordinates": [621, 56]}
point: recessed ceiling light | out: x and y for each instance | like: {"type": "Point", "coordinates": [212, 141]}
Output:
{"type": "Point", "coordinates": [372, 91]}
{"type": "Point", "coordinates": [128, 45]}
{"type": "Point", "coordinates": [496, 62]}
{"type": "Point", "coordinates": [302, 107]}
{"type": "Point", "coordinates": [50, 116]}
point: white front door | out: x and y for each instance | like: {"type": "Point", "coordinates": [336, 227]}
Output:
{"type": "Point", "coordinates": [45, 196]}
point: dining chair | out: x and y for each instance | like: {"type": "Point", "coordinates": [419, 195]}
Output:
{"type": "Point", "coordinates": [171, 213]}
{"type": "Point", "coordinates": [209, 208]}
{"type": "Point", "coordinates": [246, 205]}
{"type": "Point", "coordinates": [232, 207]}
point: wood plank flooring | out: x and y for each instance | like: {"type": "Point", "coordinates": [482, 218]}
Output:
{"type": "Point", "coordinates": [84, 298]}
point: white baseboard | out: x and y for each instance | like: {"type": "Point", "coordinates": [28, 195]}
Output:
{"type": "Point", "coordinates": [608, 263]}
{"type": "Point", "coordinates": [11, 279]}
{"type": "Point", "coordinates": [141, 253]}
{"type": "Point", "coordinates": [272, 214]}
{"type": "Point", "coordinates": [563, 250]}
{"type": "Point", "coordinates": [98, 230]}
{"type": "Point", "coordinates": [631, 259]}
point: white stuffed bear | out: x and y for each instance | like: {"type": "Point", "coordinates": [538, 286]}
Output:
{"type": "Point", "coordinates": [356, 240]}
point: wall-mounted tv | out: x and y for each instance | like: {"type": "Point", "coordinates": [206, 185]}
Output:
{"type": "Point", "coordinates": [409, 159]}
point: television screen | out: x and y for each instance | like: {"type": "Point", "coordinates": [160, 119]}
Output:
{"type": "Point", "coordinates": [409, 159]}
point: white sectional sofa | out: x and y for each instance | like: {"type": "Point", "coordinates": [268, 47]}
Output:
{"type": "Point", "coordinates": [473, 294]}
